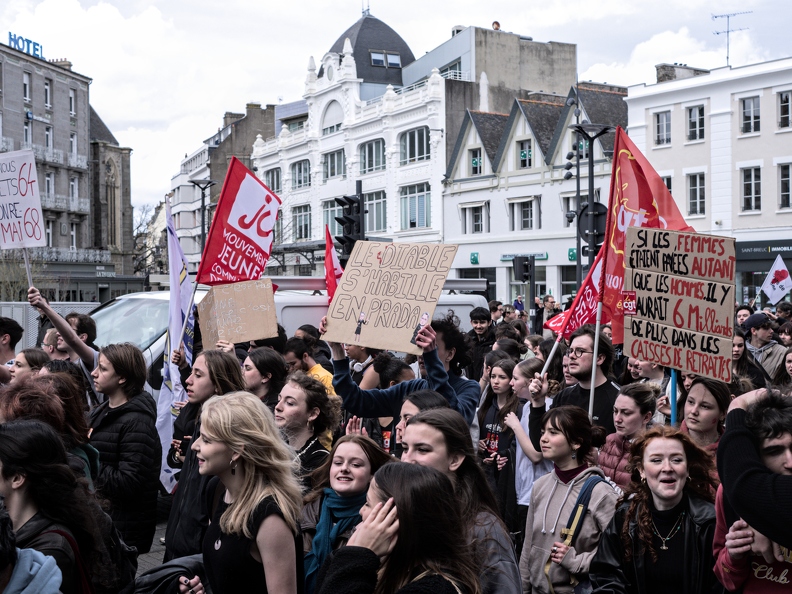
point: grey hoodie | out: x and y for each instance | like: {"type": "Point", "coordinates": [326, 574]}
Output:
{"type": "Point", "coordinates": [552, 502]}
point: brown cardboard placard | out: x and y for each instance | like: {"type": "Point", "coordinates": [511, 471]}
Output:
{"type": "Point", "coordinates": [684, 286]}
{"type": "Point", "coordinates": [389, 291]}
{"type": "Point", "coordinates": [238, 312]}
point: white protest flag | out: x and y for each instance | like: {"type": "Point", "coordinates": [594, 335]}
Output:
{"type": "Point", "coordinates": [172, 390]}
{"type": "Point", "coordinates": [777, 284]}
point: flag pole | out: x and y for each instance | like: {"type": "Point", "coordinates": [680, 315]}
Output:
{"type": "Point", "coordinates": [27, 266]}
{"type": "Point", "coordinates": [673, 397]}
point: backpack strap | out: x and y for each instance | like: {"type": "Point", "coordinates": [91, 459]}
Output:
{"type": "Point", "coordinates": [87, 587]}
{"type": "Point", "coordinates": [575, 522]}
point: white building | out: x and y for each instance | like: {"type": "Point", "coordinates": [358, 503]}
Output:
{"type": "Point", "coordinates": [186, 204]}
{"type": "Point", "coordinates": [722, 139]}
{"type": "Point", "coordinates": [360, 122]}
{"type": "Point", "coordinates": [506, 194]}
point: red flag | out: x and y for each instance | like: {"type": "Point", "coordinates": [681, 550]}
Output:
{"type": "Point", "coordinates": [584, 307]}
{"type": "Point", "coordinates": [240, 238]}
{"type": "Point", "coordinates": [638, 198]}
{"type": "Point", "coordinates": [333, 270]}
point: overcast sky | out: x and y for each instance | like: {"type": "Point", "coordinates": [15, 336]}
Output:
{"type": "Point", "coordinates": [165, 71]}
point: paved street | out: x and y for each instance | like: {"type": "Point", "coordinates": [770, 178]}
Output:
{"type": "Point", "coordinates": [154, 556]}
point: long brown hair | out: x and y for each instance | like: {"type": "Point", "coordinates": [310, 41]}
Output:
{"type": "Point", "coordinates": [512, 402]}
{"type": "Point", "coordinates": [700, 483]}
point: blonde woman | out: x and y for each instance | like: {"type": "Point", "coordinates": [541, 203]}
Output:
{"type": "Point", "coordinates": [252, 543]}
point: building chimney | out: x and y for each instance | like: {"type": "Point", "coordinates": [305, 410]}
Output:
{"type": "Point", "coordinates": [675, 71]}
{"type": "Point", "coordinates": [62, 62]}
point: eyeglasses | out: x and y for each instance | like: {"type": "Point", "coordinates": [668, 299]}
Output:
{"type": "Point", "coordinates": [577, 352]}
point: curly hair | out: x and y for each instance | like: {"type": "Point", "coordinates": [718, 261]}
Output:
{"type": "Point", "coordinates": [701, 482]}
{"type": "Point", "coordinates": [320, 478]}
{"type": "Point", "coordinates": [243, 423]}
{"type": "Point", "coordinates": [316, 397]}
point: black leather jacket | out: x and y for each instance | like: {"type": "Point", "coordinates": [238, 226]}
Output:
{"type": "Point", "coordinates": [609, 573]}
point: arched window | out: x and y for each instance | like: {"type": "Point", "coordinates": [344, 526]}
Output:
{"type": "Point", "coordinates": [333, 117]}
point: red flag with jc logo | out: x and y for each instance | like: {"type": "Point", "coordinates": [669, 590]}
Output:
{"type": "Point", "coordinates": [242, 231]}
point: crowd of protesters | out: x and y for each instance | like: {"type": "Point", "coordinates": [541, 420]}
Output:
{"type": "Point", "coordinates": [315, 467]}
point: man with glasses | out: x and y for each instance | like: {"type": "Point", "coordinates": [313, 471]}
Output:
{"type": "Point", "coordinates": [543, 313]}
{"type": "Point", "coordinates": [509, 313]}
{"type": "Point", "coordinates": [759, 340]}
{"type": "Point", "coordinates": [50, 346]}
{"type": "Point", "coordinates": [581, 359]}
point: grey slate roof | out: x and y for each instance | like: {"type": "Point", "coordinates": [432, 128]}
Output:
{"type": "Point", "coordinates": [370, 33]}
{"type": "Point", "coordinates": [99, 131]}
{"type": "Point", "coordinates": [604, 104]}
{"type": "Point", "coordinates": [542, 110]}
{"type": "Point", "coordinates": [490, 127]}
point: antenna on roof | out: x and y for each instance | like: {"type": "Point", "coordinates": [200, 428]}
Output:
{"type": "Point", "coordinates": [366, 7]}
{"type": "Point", "coordinates": [728, 28]}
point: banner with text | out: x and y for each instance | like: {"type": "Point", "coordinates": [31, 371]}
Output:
{"type": "Point", "coordinates": [684, 300]}
{"type": "Point", "coordinates": [21, 220]}
{"type": "Point", "coordinates": [389, 292]}
{"type": "Point", "coordinates": [240, 238]}
{"type": "Point", "coordinates": [238, 312]}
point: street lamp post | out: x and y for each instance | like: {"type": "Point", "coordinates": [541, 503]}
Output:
{"type": "Point", "coordinates": [591, 132]}
{"type": "Point", "coordinates": [203, 185]}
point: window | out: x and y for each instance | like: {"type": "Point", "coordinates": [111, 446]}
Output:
{"type": "Point", "coordinates": [26, 86]}
{"type": "Point", "coordinates": [752, 189]}
{"type": "Point", "coordinates": [74, 187]}
{"type": "Point", "coordinates": [73, 237]}
{"type": "Point", "coordinates": [301, 174]}
{"type": "Point", "coordinates": [47, 93]}
{"type": "Point", "coordinates": [415, 206]}
{"type": "Point", "coordinates": [394, 60]}
{"type": "Point", "coordinates": [475, 161]}
{"type": "Point", "coordinates": [475, 219]}
{"type": "Point", "coordinates": [376, 211]}
{"type": "Point", "coordinates": [784, 110]}
{"type": "Point", "coordinates": [750, 115]}
{"type": "Point", "coordinates": [331, 210]}
{"type": "Point", "coordinates": [72, 102]}
{"type": "Point", "coordinates": [372, 156]}
{"type": "Point", "coordinates": [26, 133]}
{"type": "Point", "coordinates": [301, 221]}
{"type": "Point", "coordinates": [272, 179]}
{"type": "Point", "coordinates": [784, 194]}
{"type": "Point", "coordinates": [49, 184]}
{"type": "Point", "coordinates": [571, 205]}
{"type": "Point", "coordinates": [663, 127]}
{"type": "Point", "coordinates": [523, 215]}
{"type": "Point", "coordinates": [453, 67]}
{"type": "Point", "coordinates": [73, 143]}
{"type": "Point", "coordinates": [334, 164]}
{"type": "Point", "coordinates": [524, 154]}
{"type": "Point", "coordinates": [696, 123]}
{"type": "Point", "coordinates": [331, 129]}
{"type": "Point", "coordinates": [278, 231]}
{"type": "Point", "coordinates": [294, 126]}
{"type": "Point", "coordinates": [377, 59]}
{"type": "Point", "coordinates": [696, 195]}
{"type": "Point", "coordinates": [414, 145]}
{"type": "Point", "coordinates": [48, 233]}
{"type": "Point", "coordinates": [667, 181]}
{"type": "Point", "coordinates": [48, 137]}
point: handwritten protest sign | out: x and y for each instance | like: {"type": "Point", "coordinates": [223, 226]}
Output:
{"type": "Point", "coordinates": [238, 312]}
{"type": "Point", "coordinates": [388, 293]}
{"type": "Point", "coordinates": [21, 220]}
{"type": "Point", "coordinates": [684, 300]}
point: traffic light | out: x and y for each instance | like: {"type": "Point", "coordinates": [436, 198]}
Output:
{"type": "Point", "coordinates": [594, 242]}
{"type": "Point", "coordinates": [352, 222]}
{"type": "Point", "coordinates": [523, 268]}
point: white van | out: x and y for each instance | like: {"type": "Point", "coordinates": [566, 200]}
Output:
{"type": "Point", "coordinates": [142, 318]}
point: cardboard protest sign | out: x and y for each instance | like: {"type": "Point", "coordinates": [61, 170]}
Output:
{"type": "Point", "coordinates": [684, 300]}
{"type": "Point", "coordinates": [21, 219]}
{"type": "Point", "coordinates": [238, 312]}
{"type": "Point", "coordinates": [389, 292]}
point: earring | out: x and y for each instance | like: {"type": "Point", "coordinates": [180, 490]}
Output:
{"type": "Point", "coordinates": [574, 454]}
{"type": "Point", "coordinates": [643, 480]}
{"type": "Point", "coordinates": [233, 466]}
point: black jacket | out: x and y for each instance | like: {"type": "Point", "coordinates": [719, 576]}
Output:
{"type": "Point", "coordinates": [609, 573]}
{"type": "Point", "coordinates": [130, 456]}
{"type": "Point", "coordinates": [187, 521]}
{"type": "Point", "coordinates": [37, 534]}
{"type": "Point", "coordinates": [481, 346]}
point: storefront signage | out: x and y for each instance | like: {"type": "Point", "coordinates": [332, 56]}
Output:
{"type": "Point", "coordinates": [536, 255]}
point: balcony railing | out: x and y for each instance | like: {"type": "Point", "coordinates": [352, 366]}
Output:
{"type": "Point", "coordinates": [78, 161]}
{"type": "Point", "coordinates": [6, 144]}
{"type": "Point", "coordinates": [54, 202]}
{"type": "Point", "coordinates": [81, 205]}
{"type": "Point", "coordinates": [48, 155]}
{"type": "Point", "coordinates": [50, 254]}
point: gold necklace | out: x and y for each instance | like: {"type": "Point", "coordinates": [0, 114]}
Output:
{"type": "Point", "coordinates": [677, 527]}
